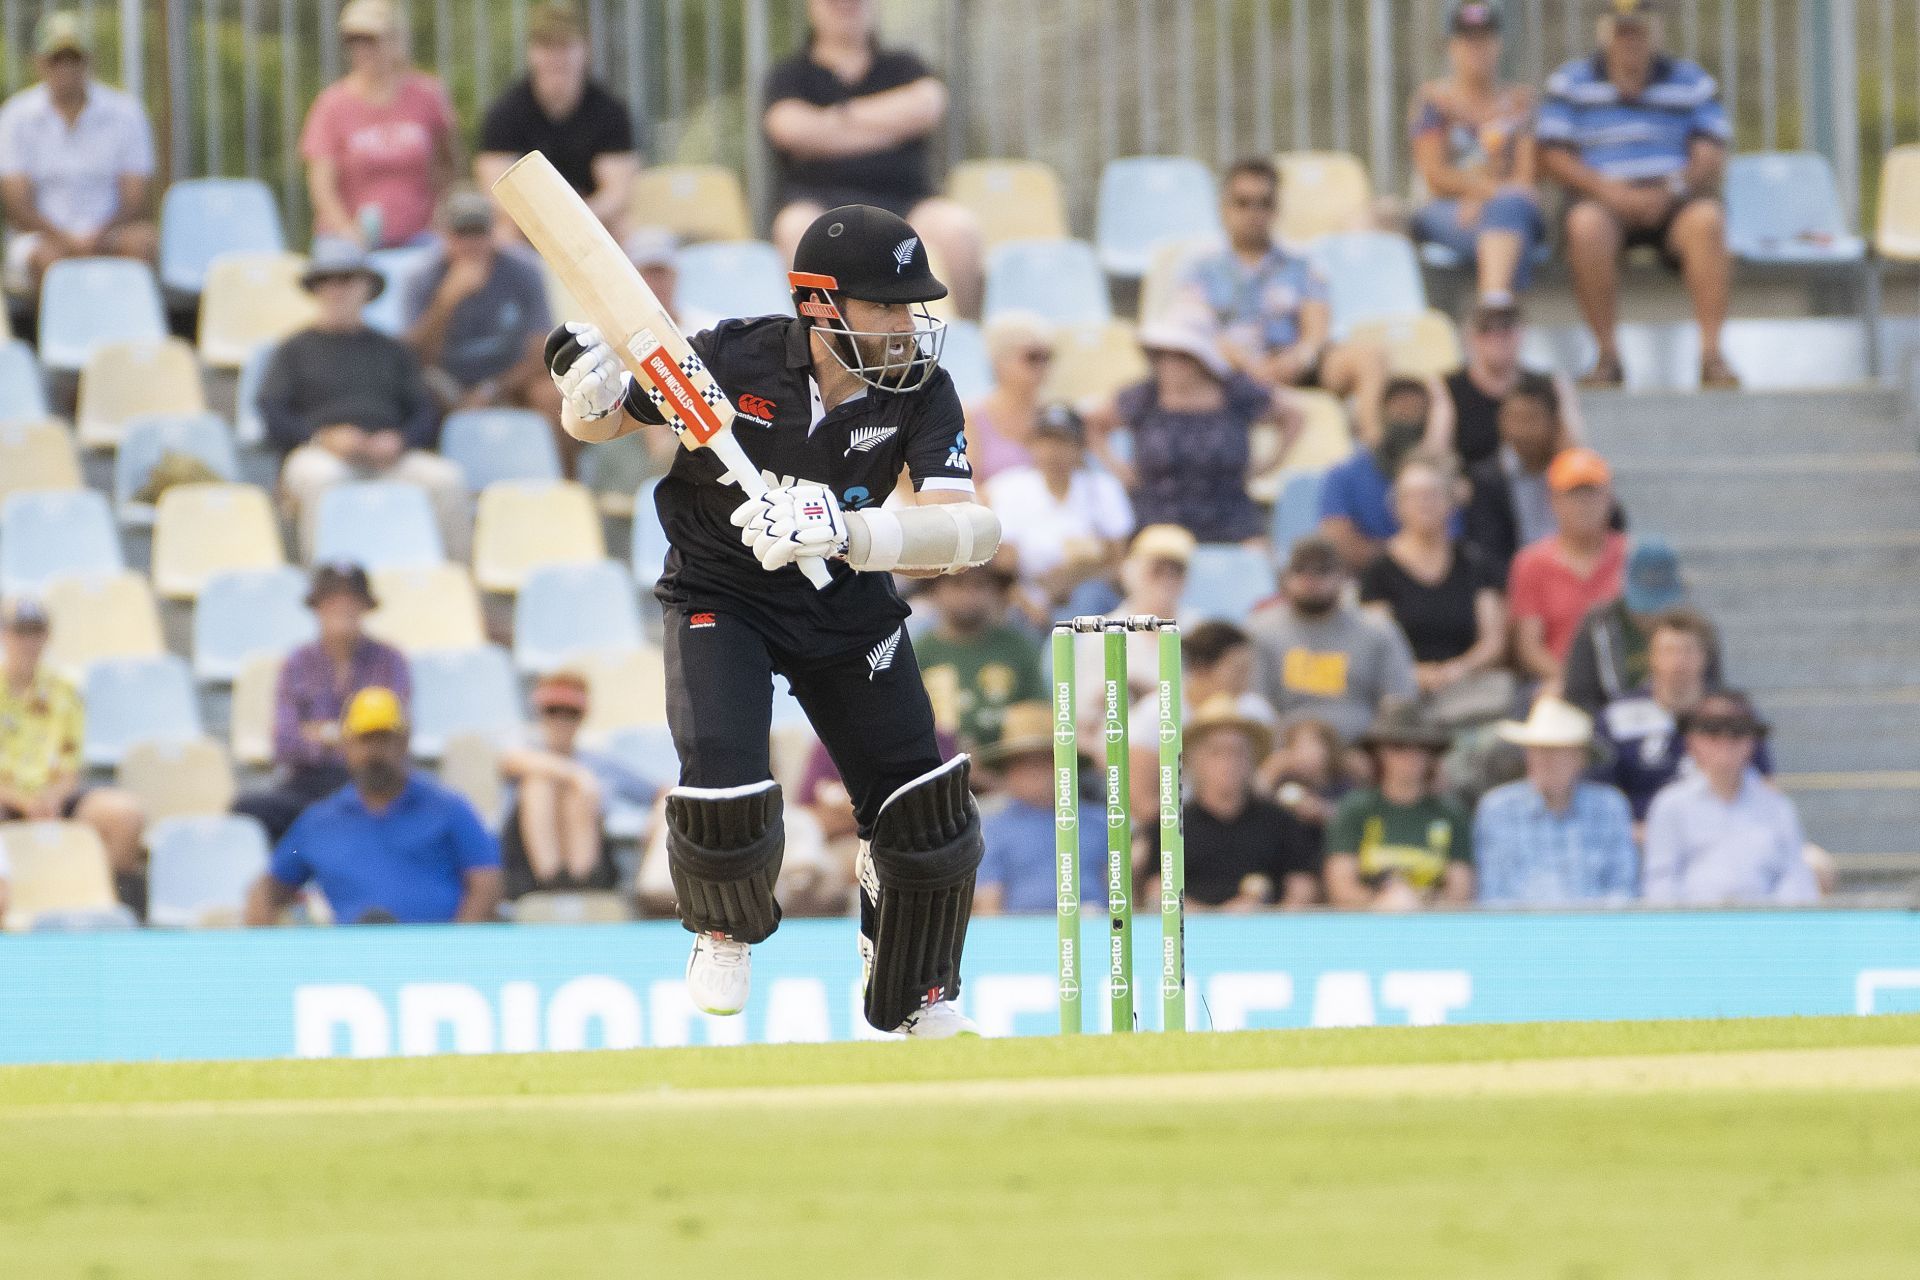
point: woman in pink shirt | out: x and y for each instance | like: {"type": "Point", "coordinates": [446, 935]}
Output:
{"type": "Point", "coordinates": [379, 142]}
{"type": "Point", "coordinates": [1020, 347]}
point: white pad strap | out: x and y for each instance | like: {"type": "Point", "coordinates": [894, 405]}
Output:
{"type": "Point", "coordinates": [937, 538]}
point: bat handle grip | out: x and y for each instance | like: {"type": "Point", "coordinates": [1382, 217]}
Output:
{"type": "Point", "coordinates": [743, 473]}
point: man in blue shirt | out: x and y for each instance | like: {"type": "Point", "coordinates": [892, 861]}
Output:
{"type": "Point", "coordinates": [1017, 874]}
{"type": "Point", "coordinates": [1356, 498]}
{"type": "Point", "coordinates": [392, 845]}
{"type": "Point", "coordinates": [1639, 139]}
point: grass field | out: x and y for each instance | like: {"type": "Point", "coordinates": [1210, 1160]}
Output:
{"type": "Point", "coordinates": [1703, 1150]}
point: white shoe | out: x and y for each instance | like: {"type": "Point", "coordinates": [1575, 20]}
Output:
{"type": "Point", "coordinates": [941, 1020]}
{"type": "Point", "coordinates": [719, 974]}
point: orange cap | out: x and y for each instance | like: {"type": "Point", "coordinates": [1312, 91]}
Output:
{"type": "Point", "coordinates": [1572, 468]}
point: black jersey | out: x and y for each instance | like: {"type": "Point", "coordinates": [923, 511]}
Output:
{"type": "Point", "coordinates": [858, 450]}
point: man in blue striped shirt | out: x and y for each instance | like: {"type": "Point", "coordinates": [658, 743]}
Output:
{"type": "Point", "coordinates": [1639, 140]}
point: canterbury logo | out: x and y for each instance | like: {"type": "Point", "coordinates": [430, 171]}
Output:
{"type": "Point", "coordinates": [867, 439]}
{"type": "Point", "coordinates": [903, 253]}
{"type": "Point", "coordinates": [880, 657]}
{"type": "Point", "coordinates": [756, 407]}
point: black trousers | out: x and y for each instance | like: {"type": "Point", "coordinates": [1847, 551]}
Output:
{"type": "Point", "coordinates": [869, 707]}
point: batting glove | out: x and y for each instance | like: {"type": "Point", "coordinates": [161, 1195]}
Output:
{"type": "Point", "coordinates": [784, 525]}
{"type": "Point", "coordinates": [584, 367]}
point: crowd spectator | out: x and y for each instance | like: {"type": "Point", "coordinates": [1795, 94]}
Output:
{"type": "Point", "coordinates": [76, 163]}
{"type": "Point", "coordinates": [1397, 845]}
{"type": "Point", "coordinates": [1000, 424]}
{"type": "Point", "coordinates": [1509, 504]}
{"type": "Point", "coordinates": [1356, 507]}
{"type": "Point", "coordinates": [316, 683]}
{"type": "Point", "coordinates": [1017, 875]}
{"type": "Point", "coordinates": [1271, 306]}
{"type": "Point", "coordinates": [1218, 660]}
{"type": "Point", "coordinates": [823, 839]}
{"type": "Point", "coordinates": [392, 846]}
{"type": "Point", "coordinates": [379, 142]}
{"type": "Point", "coordinates": [1720, 835]}
{"type": "Point", "coordinates": [1243, 852]}
{"type": "Point", "coordinates": [1307, 775]}
{"type": "Point", "coordinates": [343, 401]}
{"type": "Point", "coordinates": [1557, 580]}
{"type": "Point", "coordinates": [652, 252]}
{"type": "Point", "coordinates": [1322, 657]}
{"type": "Point", "coordinates": [1191, 420]}
{"type": "Point", "coordinates": [1153, 578]}
{"type": "Point", "coordinates": [1474, 149]}
{"type": "Point", "coordinates": [1639, 139]}
{"type": "Point", "coordinates": [558, 110]}
{"type": "Point", "coordinates": [851, 121]}
{"type": "Point", "coordinates": [42, 726]}
{"type": "Point", "coordinates": [1480, 388]}
{"type": "Point", "coordinates": [1063, 525]}
{"type": "Point", "coordinates": [1444, 597]}
{"type": "Point", "coordinates": [1608, 658]}
{"type": "Point", "coordinates": [1552, 839]}
{"type": "Point", "coordinates": [553, 837]}
{"type": "Point", "coordinates": [973, 663]}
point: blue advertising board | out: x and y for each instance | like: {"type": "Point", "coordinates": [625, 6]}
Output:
{"type": "Point", "coordinates": [375, 991]}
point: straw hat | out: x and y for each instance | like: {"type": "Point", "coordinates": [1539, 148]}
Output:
{"type": "Point", "coordinates": [1552, 722]}
{"type": "Point", "coordinates": [1222, 711]}
{"type": "Point", "coordinates": [1026, 729]}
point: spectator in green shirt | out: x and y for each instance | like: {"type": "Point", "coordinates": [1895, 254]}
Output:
{"type": "Point", "coordinates": [974, 664]}
{"type": "Point", "coordinates": [1397, 846]}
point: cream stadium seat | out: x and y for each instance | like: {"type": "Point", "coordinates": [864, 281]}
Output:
{"type": "Point", "coordinates": [251, 300]}
{"type": "Point", "coordinates": [125, 380]}
{"type": "Point", "coordinates": [200, 530]}
{"type": "Point", "coordinates": [423, 609]}
{"type": "Point", "coordinates": [1897, 234]}
{"type": "Point", "coordinates": [1417, 346]}
{"type": "Point", "coordinates": [56, 867]}
{"type": "Point", "coordinates": [1321, 192]}
{"type": "Point", "coordinates": [250, 732]}
{"type": "Point", "coordinates": [1324, 441]}
{"type": "Point", "coordinates": [178, 779]}
{"type": "Point", "coordinates": [694, 201]}
{"type": "Point", "coordinates": [1013, 199]}
{"type": "Point", "coordinates": [626, 688]}
{"type": "Point", "coordinates": [1160, 287]}
{"type": "Point", "coordinates": [521, 526]}
{"type": "Point", "coordinates": [37, 455]}
{"type": "Point", "coordinates": [470, 764]}
{"type": "Point", "coordinates": [98, 618]}
{"type": "Point", "coordinates": [1094, 361]}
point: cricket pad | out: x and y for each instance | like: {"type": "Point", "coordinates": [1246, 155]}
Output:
{"type": "Point", "coordinates": [925, 849]}
{"type": "Point", "coordinates": [723, 851]}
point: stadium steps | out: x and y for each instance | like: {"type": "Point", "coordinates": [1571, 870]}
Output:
{"type": "Point", "coordinates": [1663, 424]}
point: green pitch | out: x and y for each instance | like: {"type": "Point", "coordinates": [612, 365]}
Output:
{"type": "Point", "coordinates": [1704, 1150]}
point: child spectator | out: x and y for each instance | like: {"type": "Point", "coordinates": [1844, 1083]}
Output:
{"type": "Point", "coordinates": [1397, 845]}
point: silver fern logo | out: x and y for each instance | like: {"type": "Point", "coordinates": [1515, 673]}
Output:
{"type": "Point", "coordinates": [903, 253]}
{"type": "Point", "coordinates": [880, 657]}
{"type": "Point", "coordinates": [867, 439]}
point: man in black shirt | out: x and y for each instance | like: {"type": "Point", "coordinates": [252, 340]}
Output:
{"type": "Point", "coordinates": [1243, 852]}
{"type": "Point", "coordinates": [849, 122]}
{"type": "Point", "coordinates": [559, 112]}
{"type": "Point", "coordinates": [1492, 372]}
{"type": "Point", "coordinates": [832, 407]}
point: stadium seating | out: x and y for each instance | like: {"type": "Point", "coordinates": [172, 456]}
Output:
{"type": "Point", "coordinates": [1012, 199]}
{"type": "Point", "coordinates": [1371, 275]}
{"type": "Point", "coordinates": [201, 869]}
{"type": "Point", "coordinates": [520, 527]}
{"type": "Point", "coordinates": [397, 268]}
{"type": "Point", "coordinates": [1225, 580]}
{"type": "Point", "coordinates": [200, 530]}
{"type": "Point", "coordinates": [50, 532]}
{"type": "Point", "coordinates": [1321, 193]}
{"type": "Point", "coordinates": [648, 751]}
{"type": "Point", "coordinates": [1094, 361]}
{"type": "Point", "coordinates": [23, 389]}
{"type": "Point", "coordinates": [694, 201]}
{"type": "Point", "coordinates": [1785, 208]}
{"type": "Point", "coordinates": [251, 299]}
{"type": "Point", "coordinates": [435, 607]}
{"type": "Point", "coordinates": [87, 303]}
{"type": "Point", "coordinates": [647, 555]}
{"type": "Point", "coordinates": [459, 691]}
{"type": "Point", "coordinates": [1297, 513]}
{"type": "Point", "coordinates": [1897, 231]}
{"type": "Point", "coordinates": [626, 689]}
{"type": "Point", "coordinates": [95, 619]}
{"type": "Point", "coordinates": [148, 438]}
{"type": "Point", "coordinates": [963, 354]}
{"type": "Point", "coordinates": [724, 278]}
{"type": "Point", "coordinates": [249, 428]}
{"type": "Point", "coordinates": [470, 764]}
{"type": "Point", "coordinates": [36, 455]}
{"type": "Point", "coordinates": [56, 867]}
{"type": "Point", "coordinates": [1326, 438]}
{"type": "Point", "coordinates": [567, 907]}
{"type": "Point", "coordinates": [1160, 287]}
{"type": "Point", "coordinates": [1058, 279]}
{"type": "Point", "coordinates": [125, 380]}
{"type": "Point", "coordinates": [202, 218]}
{"type": "Point", "coordinates": [243, 613]}
{"type": "Point", "coordinates": [1146, 201]}
{"type": "Point", "coordinates": [377, 524]}
{"type": "Point", "coordinates": [565, 610]}
{"type": "Point", "coordinates": [131, 700]}
{"type": "Point", "coordinates": [500, 444]}
{"type": "Point", "coordinates": [1418, 346]}
{"type": "Point", "coordinates": [250, 720]}
{"type": "Point", "coordinates": [190, 778]}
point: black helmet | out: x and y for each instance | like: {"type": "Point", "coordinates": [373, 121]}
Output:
{"type": "Point", "coordinates": [865, 253]}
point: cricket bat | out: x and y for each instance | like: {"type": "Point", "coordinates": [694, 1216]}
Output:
{"type": "Point", "coordinates": [611, 294]}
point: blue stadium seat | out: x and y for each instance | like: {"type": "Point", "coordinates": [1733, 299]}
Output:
{"type": "Point", "coordinates": [1225, 580]}
{"type": "Point", "coordinates": [965, 358]}
{"type": "Point", "coordinates": [787, 711]}
{"type": "Point", "coordinates": [1784, 207]}
{"type": "Point", "coordinates": [459, 691]}
{"type": "Point", "coordinates": [131, 700]}
{"type": "Point", "coordinates": [245, 613]}
{"type": "Point", "coordinates": [378, 524]}
{"type": "Point", "coordinates": [1371, 275]}
{"type": "Point", "coordinates": [648, 554]}
{"type": "Point", "coordinates": [1297, 513]}
{"type": "Point", "coordinates": [48, 533]}
{"type": "Point", "coordinates": [500, 444]}
{"type": "Point", "coordinates": [145, 440]}
{"type": "Point", "coordinates": [23, 390]}
{"type": "Point", "coordinates": [648, 751]}
{"type": "Point", "coordinates": [1146, 201]}
{"type": "Point", "coordinates": [566, 610]}
{"type": "Point", "coordinates": [88, 302]}
{"type": "Point", "coordinates": [248, 426]}
{"type": "Point", "coordinates": [201, 218]}
{"type": "Point", "coordinates": [725, 278]}
{"type": "Point", "coordinates": [388, 312]}
{"type": "Point", "coordinates": [201, 868]}
{"type": "Point", "coordinates": [1058, 279]}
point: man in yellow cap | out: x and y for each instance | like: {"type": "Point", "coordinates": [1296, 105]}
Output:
{"type": "Point", "coordinates": [392, 846]}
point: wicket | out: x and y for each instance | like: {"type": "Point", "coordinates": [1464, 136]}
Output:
{"type": "Point", "coordinates": [1119, 822]}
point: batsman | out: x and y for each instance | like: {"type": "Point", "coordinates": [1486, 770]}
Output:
{"type": "Point", "coordinates": [833, 407]}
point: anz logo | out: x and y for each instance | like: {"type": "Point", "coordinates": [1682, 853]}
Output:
{"type": "Point", "coordinates": [856, 498]}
